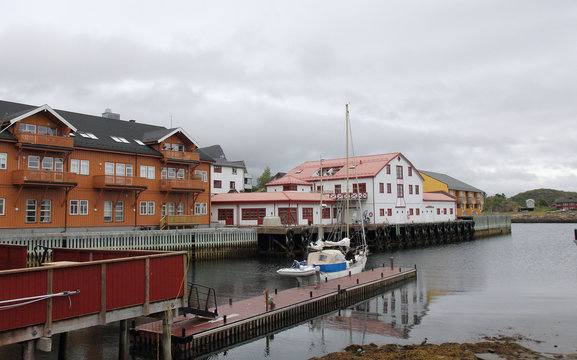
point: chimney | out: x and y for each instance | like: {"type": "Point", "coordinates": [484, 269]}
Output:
{"type": "Point", "coordinates": [110, 115]}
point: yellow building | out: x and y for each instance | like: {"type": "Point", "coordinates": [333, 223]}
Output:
{"type": "Point", "coordinates": [470, 200]}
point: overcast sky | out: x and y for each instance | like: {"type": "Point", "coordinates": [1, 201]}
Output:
{"type": "Point", "coordinates": [484, 91]}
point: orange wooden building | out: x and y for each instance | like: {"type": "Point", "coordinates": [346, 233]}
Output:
{"type": "Point", "coordinates": [65, 171]}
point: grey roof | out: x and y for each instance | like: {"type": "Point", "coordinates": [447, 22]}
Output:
{"type": "Point", "coordinates": [452, 183]}
{"type": "Point", "coordinates": [102, 128]}
{"type": "Point", "coordinates": [216, 153]}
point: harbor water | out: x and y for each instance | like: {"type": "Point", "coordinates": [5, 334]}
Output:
{"type": "Point", "coordinates": [522, 284]}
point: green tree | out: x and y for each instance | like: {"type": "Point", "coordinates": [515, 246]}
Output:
{"type": "Point", "coordinates": [263, 179]}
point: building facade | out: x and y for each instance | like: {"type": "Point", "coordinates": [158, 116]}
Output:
{"type": "Point", "coordinates": [65, 171]}
{"type": "Point", "coordinates": [381, 189]}
{"type": "Point", "coordinates": [227, 176]}
{"type": "Point", "coordinates": [470, 200]}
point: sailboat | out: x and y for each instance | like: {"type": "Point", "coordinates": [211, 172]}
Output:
{"type": "Point", "coordinates": [332, 259]}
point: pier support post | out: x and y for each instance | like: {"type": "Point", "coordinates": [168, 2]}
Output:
{"type": "Point", "coordinates": [123, 343]}
{"type": "Point", "coordinates": [166, 337]}
{"type": "Point", "coordinates": [63, 346]}
{"type": "Point", "coordinates": [28, 350]}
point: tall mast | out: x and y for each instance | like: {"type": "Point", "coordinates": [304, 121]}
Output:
{"type": "Point", "coordinates": [347, 165]}
{"type": "Point", "coordinates": [321, 233]}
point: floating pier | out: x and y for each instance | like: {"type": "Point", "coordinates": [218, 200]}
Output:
{"type": "Point", "coordinates": [245, 320]}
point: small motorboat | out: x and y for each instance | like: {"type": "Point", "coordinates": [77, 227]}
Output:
{"type": "Point", "coordinates": [299, 269]}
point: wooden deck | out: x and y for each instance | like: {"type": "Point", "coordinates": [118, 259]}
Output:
{"type": "Point", "coordinates": [248, 319]}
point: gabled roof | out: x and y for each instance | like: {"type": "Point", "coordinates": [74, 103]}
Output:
{"type": "Point", "coordinates": [359, 166]}
{"type": "Point", "coordinates": [102, 128]}
{"type": "Point", "coordinates": [158, 136]}
{"type": "Point", "coordinates": [452, 183]}
{"type": "Point", "coordinates": [24, 114]}
{"type": "Point", "coordinates": [216, 153]}
{"type": "Point", "coordinates": [438, 196]}
{"type": "Point", "coordinates": [288, 180]}
{"type": "Point", "coordinates": [269, 197]}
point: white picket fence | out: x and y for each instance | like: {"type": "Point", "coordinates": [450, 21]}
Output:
{"type": "Point", "coordinates": [163, 240]}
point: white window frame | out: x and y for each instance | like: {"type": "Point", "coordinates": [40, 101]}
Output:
{"type": "Point", "coordinates": [151, 172]}
{"type": "Point", "coordinates": [180, 174]}
{"type": "Point", "coordinates": [74, 207]}
{"type": "Point", "coordinates": [129, 170]}
{"type": "Point", "coordinates": [34, 159]}
{"type": "Point", "coordinates": [120, 169]}
{"type": "Point", "coordinates": [31, 206]}
{"type": "Point", "coordinates": [119, 211]}
{"type": "Point", "coordinates": [75, 166]}
{"type": "Point", "coordinates": [48, 163]}
{"type": "Point", "coordinates": [109, 168]}
{"type": "Point", "coordinates": [171, 173]}
{"type": "Point", "coordinates": [3, 161]}
{"type": "Point", "coordinates": [2, 206]}
{"type": "Point", "coordinates": [83, 207]}
{"type": "Point", "coordinates": [84, 167]}
{"type": "Point", "coordinates": [58, 164]}
{"type": "Point", "coordinates": [46, 211]}
{"type": "Point", "coordinates": [151, 207]}
{"type": "Point", "coordinates": [107, 211]}
{"type": "Point", "coordinates": [143, 208]}
{"type": "Point", "coordinates": [200, 208]}
{"type": "Point", "coordinates": [180, 208]}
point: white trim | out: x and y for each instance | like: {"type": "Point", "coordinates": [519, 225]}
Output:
{"type": "Point", "coordinates": [39, 109]}
{"type": "Point", "coordinates": [176, 130]}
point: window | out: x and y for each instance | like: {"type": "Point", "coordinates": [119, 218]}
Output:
{"type": "Point", "coordinates": [451, 211]}
{"type": "Point", "coordinates": [47, 130]}
{"type": "Point", "coordinates": [147, 208]}
{"type": "Point", "coordinates": [3, 161]}
{"type": "Point", "coordinates": [327, 213]}
{"type": "Point", "coordinates": [109, 168]}
{"type": "Point", "coordinates": [171, 173]}
{"type": "Point", "coordinates": [27, 128]}
{"type": "Point", "coordinates": [410, 189]}
{"type": "Point", "coordinates": [108, 211]}
{"type": "Point", "coordinates": [382, 188]}
{"type": "Point", "coordinates": [232, 185]}
{"type": "Point", "coordinates": [445, 211]}
{"type": "Point", "coordinates": [234, 171]}
{"type": "Point", "coordinates": [400, 192]}
{"type": "Point", "coordinates": [217, 184]}
{"type": "Point", "coordinates": [119, 212]}
{"type": "Point", "coordinates": [417, 189]}
{"type": "Point", "coordinates": [389, 188]}
{"type": "Point", "coordinates": [83, 207]}
{"type": "Point", "coordinates": [170, 208]}
{"type": "Point", "coordinates": [180, 174]}
{"type": "Point", "coordinates": [253, 214]}
{"type": "Point", "coordinates": [399, 172]}
{"type": "Point", "coordinates": [120, 169]}
{"type": "Point", "coordinates": [151, 207]}
{"type": "Point", "coordinates": [410, 171]}
{"type": "Point", "coordinates": [337, 189]}
{"type": "Point", "coordinates": [30, 211]}
{"type": "Point", "coordinates": [388, 169]}
{"type": "Point", "coordinates": [46, 211]}
{"type": "Point", "coordinates": [200, 209]}
{"type": "Point", "coordinates": [360, 188]}
{"type": "Point", "coordinates": [288, 187]}
{"type": "Point", "coordinates": [2, 206]}
{"type": "Point", "coordinates": [48, 163]}
{"type": "Point", "coordinates": [119, 139]}
{"type": "Point", "coordinates": [411, 211]}
{"type": "Point", "coordinates": [180, 209]}
{"type": "Point", "coordinates": [33, 162]}
{"type": "Point", "coordinates": [382, 212]}
{"type": "Point", "coordinates": [58, 165]}
{"type": "Point", "coordinates": [138, 142]}
{"type": "Point", "coordinates": [147, 171]}
{"type": "Point", "coordinates": [389, 212]}
{"type": "Point", "coordinates": [418, 211]}
{"type": "Point", "coordinates": [438, 211]}
{"type": "Point", "coordinates": [218, 169]}
{"type": "Point", "coordinates": [80, 166]}
{"type": "Point", "coordinates": [129, 170]}
{"type": "Point", "coordinates": [202, 175]}
{"type": "Point", "coordinates": [73, 207]}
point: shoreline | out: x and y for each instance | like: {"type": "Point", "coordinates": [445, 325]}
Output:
{"type": "Point", "coordinates": [491, 348]}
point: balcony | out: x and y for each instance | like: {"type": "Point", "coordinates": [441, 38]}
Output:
{"type": "Point", "coordinates": [180, 156]}
{"type": "Point", "coordinates": [119, 182]}
{"type": "Point", "coordinates": [43, 178]}
{"type": "Point", "coordinates": [181, 221]}
{"type": "Point", "coordinates": [471, 200]}
{"type": "Point", "coordinates": [350, 196]}
{"type": "Point", "coordinates": [30, 140]}
{"type": "Point", "coordinates": [461, 199]}
{"type": "Point", "coordinates": [182, 185]}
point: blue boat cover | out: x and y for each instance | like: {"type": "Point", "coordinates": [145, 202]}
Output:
{"type": "Point", "coordinates": [333, 267]}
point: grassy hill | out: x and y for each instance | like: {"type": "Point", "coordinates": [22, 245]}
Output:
{"type": "Point", "coordinates": [541, 196]}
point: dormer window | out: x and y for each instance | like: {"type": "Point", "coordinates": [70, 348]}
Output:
{"type": "Point", "coordinates": [119, 139]}
{"type": "Point", "coordinates": [27, 128]}
{"type": "Point", "coordinates": [299, 171]}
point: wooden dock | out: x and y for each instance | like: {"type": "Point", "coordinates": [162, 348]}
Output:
{"type": "Point", "coordinates": [245, 320]}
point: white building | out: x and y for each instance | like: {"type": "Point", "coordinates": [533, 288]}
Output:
{"type": "Point", "coordinates": [227, 176]}
{"type": "Point", "coordinates": [382, 189]}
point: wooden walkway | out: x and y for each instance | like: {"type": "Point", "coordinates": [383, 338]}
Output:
{"type": "Point", "coordinates": [248, 319]}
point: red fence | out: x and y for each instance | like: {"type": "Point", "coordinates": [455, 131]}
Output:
{"type": "Point", "coordinates": [131, 278]}
{"type": "Point", "coordinates": [12, 256]}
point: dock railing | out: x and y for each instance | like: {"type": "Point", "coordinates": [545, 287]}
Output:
{"type": "Point", "coordinates": [204, 243]}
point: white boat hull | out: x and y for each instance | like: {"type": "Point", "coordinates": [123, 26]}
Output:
{"type": "Point", "coordinates": [298, 272]}
{"type": "Point", "coordinates": [354, 268]}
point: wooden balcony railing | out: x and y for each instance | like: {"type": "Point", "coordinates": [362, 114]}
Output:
{"type": "Point", "coordinates": [43, 177]}
{"type": "Point", "coordinates": [46, 140]}
{"type": "Point", "coordinates": [169, 221]}
{"type": "Point", "coordinates": [182, 185]}
{"type": "Point", "coordinates": [179, 155]}
{"type": "Point", "coordinates": [119, 182]}
{"type": "Point", "coordinates": [351, 196]}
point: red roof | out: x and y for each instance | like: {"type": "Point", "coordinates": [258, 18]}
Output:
{"type": "Point", "coordinates": [366, 166]}
{"type": "Point", "coordinates": [270, 197]}
{"type": "Point", "coordinates": [438, 196]}
{"type": "Point", "coordinates": [288, 180]}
